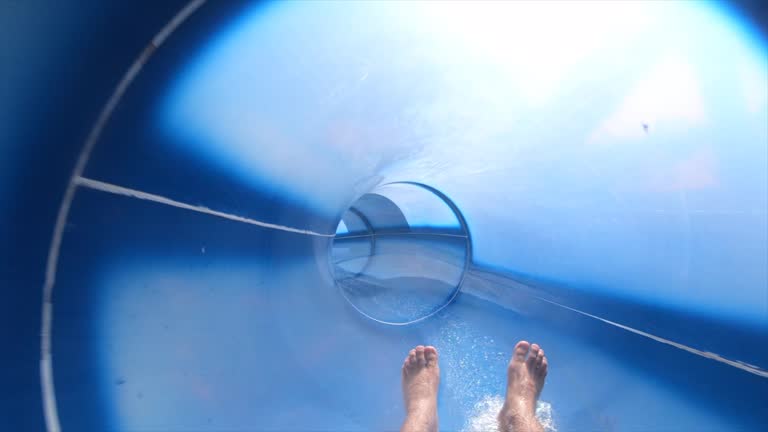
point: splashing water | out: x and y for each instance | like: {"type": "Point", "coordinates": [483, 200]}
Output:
{"type": "Point", "coordinates": [483, 417]}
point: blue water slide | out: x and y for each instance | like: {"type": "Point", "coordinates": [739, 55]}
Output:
{"type": "Point", "coordinates": [241, 216]}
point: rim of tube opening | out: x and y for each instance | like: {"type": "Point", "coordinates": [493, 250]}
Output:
{"type": "Point", "coordinates": [467, 260]}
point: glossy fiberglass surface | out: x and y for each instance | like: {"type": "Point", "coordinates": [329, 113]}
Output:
{"type": "Point", "coordinates": [590, 176]}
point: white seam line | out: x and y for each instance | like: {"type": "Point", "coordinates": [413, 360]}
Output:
{"type": "Point", "coordinates": [757, 370]}
{"type": "Point", "coordinates": [50, 411]}
{"type": "Point", "coordinates": [394, 234]}
{"type": "Point", "coordinates": [706, 354]}
{"type": "Point", "coordinates": [179, 18]}
{"type": "Point", "coordinates": [133, 193]}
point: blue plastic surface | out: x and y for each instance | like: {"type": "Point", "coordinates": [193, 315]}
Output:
{"type": "Point", "coordinates": [609, 161]}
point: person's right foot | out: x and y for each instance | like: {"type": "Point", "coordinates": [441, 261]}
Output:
{"type": "Point", "coordinates": [526, 373]}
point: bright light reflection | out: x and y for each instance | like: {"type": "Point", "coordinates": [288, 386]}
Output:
{"type": "Point", "coordinates": [613, 149]}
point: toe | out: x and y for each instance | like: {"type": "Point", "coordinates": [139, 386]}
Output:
{"type": "Point", "coordinates": [521, 349]}
{"type": "Point", "coordinates": [532, 356]}
{"type": "Point", "coordinates": [421, 359]}
{"type": "Point", "coordinates": [539, 358]}
{"type": "Point", "coordinates": [543, 368]}
{"type": "Point", "coordinates": [411, 358]}
{"type": "Point", "coordinates": [430, 354]}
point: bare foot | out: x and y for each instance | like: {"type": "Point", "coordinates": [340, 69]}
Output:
{"type": "Point", "coordinates": [421, 378]}
{"type": "Point", "coordinates": [526, 373]}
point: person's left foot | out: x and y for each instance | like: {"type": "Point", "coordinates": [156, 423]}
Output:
{"type": "Point", "coordinates": [421, 379]}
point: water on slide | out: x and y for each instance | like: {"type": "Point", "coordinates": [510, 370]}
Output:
{"type": "Point", "coordinates": [287, 197]}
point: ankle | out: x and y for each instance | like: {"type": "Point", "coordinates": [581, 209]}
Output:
{"type": "Point", "coordinates": [519, 408]}
{"type": "Point", "coordinates": [420, 421]}
{"type": "Point", "coordinates": [518, 416]}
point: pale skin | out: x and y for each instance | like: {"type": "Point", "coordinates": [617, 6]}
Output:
{"type": "Point", "coordinates": [526, 373]}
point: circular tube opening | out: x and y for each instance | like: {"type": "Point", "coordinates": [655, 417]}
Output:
{"type": "Point", "coordinates": [400, 253]}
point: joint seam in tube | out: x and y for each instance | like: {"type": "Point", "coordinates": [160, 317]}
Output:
{"type": "Point", "coordinates": [133, 193]}
{"type": "Point", "coordinates": [50, 410]}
